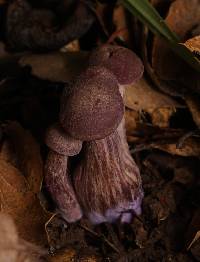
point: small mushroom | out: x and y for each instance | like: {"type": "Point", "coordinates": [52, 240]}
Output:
{"type": "Point", "coordinates": [59, 141]}
{"type": "Point", "coordinates": [94, 107]}
{"type": "Point", "coordinates": [122, 62]}
{"type": "Point", "coordinates": [57, 178]}
{"type": "Point", "coordinates": [106, 180]}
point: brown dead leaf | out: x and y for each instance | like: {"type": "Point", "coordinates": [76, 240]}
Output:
{"type": "Point", "coordinates": [182, 18]}
{"type": "Point", "coordinates": [28, 155]}
{"type": "Point", "coordinates": [194, 44]}
{"type": "Point", "coordinates": [21, 180]}
{"type": "Point", "coordinates": [141, 96]}
{"type": "Point", "coordinates": [13, 248]}
{"type": "Point", "coordinates": [193, 103]}
{"type": "Point", "coordinates": [22, 204]}
{"type": "Point", "coordinates": [161, 116]}
{"type": "Point", "coordinates": [57, 66]}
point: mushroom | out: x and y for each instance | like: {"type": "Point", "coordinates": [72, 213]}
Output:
{"type": "Point", "coordinates": [57, 177]}
{"type": "Point", "coordinates": [106, 181]}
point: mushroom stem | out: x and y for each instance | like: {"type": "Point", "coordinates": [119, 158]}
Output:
{"type": "Point", "coordinates": [107, 180]}
{"type": "Point", "coordinates": [58, 184]}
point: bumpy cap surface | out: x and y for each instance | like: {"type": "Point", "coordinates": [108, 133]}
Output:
{"type": "Point", "coordinates": [94, 107]}
{"type": "Point", "coordinates": [123, 62]}
{"type": "Point", "coordinates": [59, 141]}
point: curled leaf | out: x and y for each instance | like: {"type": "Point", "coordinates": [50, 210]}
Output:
{"type": "Point", "coordinates": [57, 66]}
{"type": "Point", "coordinates": [21, 174]}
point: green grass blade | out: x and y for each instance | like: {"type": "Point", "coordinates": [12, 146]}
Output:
{"type": "Point", "coordinates": [147, 14]}
{"type": "Point", "coordinates": [150, 15]}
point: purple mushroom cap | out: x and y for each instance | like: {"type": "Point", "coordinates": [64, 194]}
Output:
{"type": "Point", "coordinates": [122, 62]}
{"type": "Point", "coordinates": [94, 107]}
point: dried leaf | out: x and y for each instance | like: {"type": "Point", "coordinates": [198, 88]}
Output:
{"type": "Point", "coordinates": [21, 204]}
{"type": "Point", "coordinates": [28, 154]}
{"type": "Point", "coordinates": [141, 96]}
{"type": "Point", "coordinates": [166, 64]}
{"type": "Point", "coordinates": [194, 44]}
{"type": "Point", "coordinates": [57, 66]}
{"type": "Point", "coordinates": [14, 249]}
{"type": "Point", "coordinates": [20, 182]}
{"type": "Point", "coordinates": [193, 103]}
{"type": "Point", "coordinates": [161, 116]}
{"type": "Point", "coordinates": [180, 9]}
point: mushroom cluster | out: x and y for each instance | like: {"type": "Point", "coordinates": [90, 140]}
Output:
{"type": "Point", "coordinates": [105, 184]}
